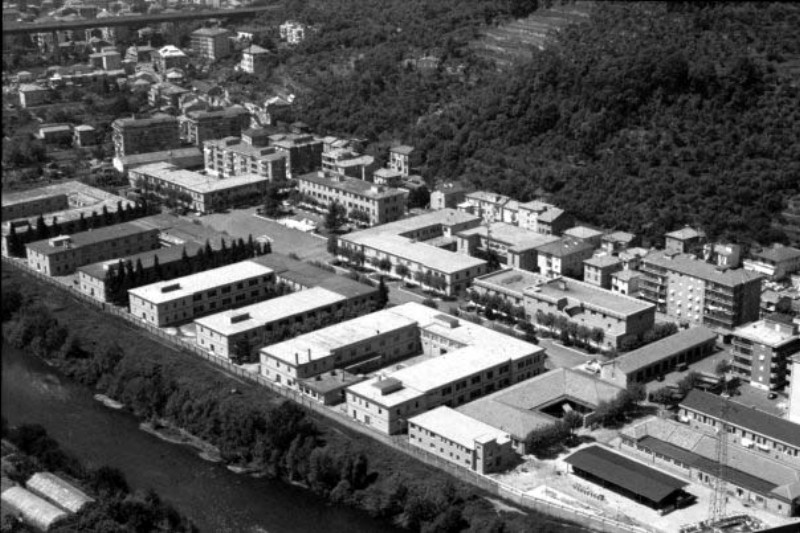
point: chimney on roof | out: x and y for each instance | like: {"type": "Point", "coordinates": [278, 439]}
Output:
{"type": "Point", "coordinates": [296, 359]}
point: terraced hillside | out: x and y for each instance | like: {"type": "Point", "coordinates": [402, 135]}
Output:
{"type": "Point", "coordinates": [514, 41]}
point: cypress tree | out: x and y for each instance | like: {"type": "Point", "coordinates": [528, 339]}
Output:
{"type": "Point", "coordinates": [15, 246]}
{"type": "Point", "coordinates": [159, 274]}
{"type": "Point", "coordinates": [55, 228]}
{"type": "Point", "coordinates": [251, 248]}
{"type": "Point", "coordinates": [266, 248]}
{"type": "Point", "coordinates": [107, 218]}
{"type": "Point", "coordinates": [94, 222]}
{"type": "Point", "coordinates": [42, 231]}
{"type": "Point", "coordinates": [83, 224]}
{"type": "Point", "coordinates": [120, 214]}
{"type": "Point", "coordinates": [139, 274]}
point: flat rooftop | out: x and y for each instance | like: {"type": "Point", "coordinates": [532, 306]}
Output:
{"type": "Point", "coordinates": [165, 256]}
{"type": "Point", "coordinates": [321, 343]}
{"type": "Point", "coordinates": [155, 120]}
{"type": "Point", "coordinates": [417, 252]}
{"type": "Point", "coordinates": [654, 352]}
{"type": "Point", "coordinates": [88, 238]}
{"type": "Point", "coordinates": [352, 185]}
{"type": "Point", "coordinates": [236, 145]}
{"type": "Point", "coordinates": [189, 285]}
{"type": "Point", "coordinates": [619, 236]}
{"type": "Point", "coordinates": [69, 188]}
{"type": "Point", "coordinates": [748, 418]}
{"type": "Point", "coordinates": [259, 314]}
{"type": "Point", "coordinates": [684, 234]}
{"type": "Point", "coordinates": [778, 254]}
{"type": "Point", "coordinates": [589, 296]}
{"type": "Point", "coordinates": [443, 217]}
{"type": "Point", "coordinates": [510, 280]}
{"type": "Point", "coordinates": [135, 160]}
{"type": "Point", "coordinates": [766, 332]}
{"type": "Point", "coordinates": [515, 237]}
{"type": "Point", "coordinates": [689, 265]}
{"type": "Point", "coordinates": [196, 182]}
{"type": "Point", "coordinates": [457, 427]}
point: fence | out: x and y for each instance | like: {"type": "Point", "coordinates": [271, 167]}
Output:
{"type": "Point", "coordinates": [599, 523]}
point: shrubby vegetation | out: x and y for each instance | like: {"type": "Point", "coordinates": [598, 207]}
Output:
{"type": "Point", "coordinates": [280, 439]}
{"type": "Point", "coordinates": [116, 508]}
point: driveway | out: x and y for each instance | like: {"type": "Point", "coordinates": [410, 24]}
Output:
{"type": "Point", "coordinates": [561, 357]}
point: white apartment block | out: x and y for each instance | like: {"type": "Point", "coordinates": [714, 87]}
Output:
{"type": "Point", "coordinates": [462, 440]}
{"type": "Point", "coordinates": [465, 361]}
{"type": "Point", "coordinates": [235, 156]}
{"type": "Point", "coordinates": [183, 299]}
{"type": "Point", "coordinates": [267, 322]}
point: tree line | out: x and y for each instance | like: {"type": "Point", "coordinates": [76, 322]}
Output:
{"type": "Point", "coordinates": [42, 230]}
{"type": "Point", "coordinates": [127, 275]}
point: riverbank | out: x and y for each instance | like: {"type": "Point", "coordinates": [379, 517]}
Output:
{"type": "Point", "coordinates": [166, 431]}
{"type": "Point", "coordinates": [235, 423]}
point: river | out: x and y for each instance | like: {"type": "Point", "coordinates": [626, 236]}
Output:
{"type": "Point", "coordinates": [214, 498]}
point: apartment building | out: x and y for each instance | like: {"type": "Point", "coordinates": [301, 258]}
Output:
{"type": "Point", "coordinates": [564, 257]}
{"type": "Point", "coordinates": [448, 196]}
{"type": "Point", "coordinates": [141, 135]}
{"type": "Point", "coordinates": [211, 44]}
{"type": "Point", "coordinates": [304, 150]}
{"type": "Point", "coordinates": [200, 126]}
{"type": "Point", "coordinates": [32, 95]}
{"type": "Point", "coordinates": [402, 159]}
{"type": "Point", "coordinates": [585, 234]}
{"type": "Point", "coordinates": [514, 246]}
{"type": "Point", "coordinates": [508, 284]}
{"type": "Point", "coordinates": [234, 156]}
{"type": "Point", "coordinates": [183, 299]}
{"type": "Point", "coordinates": [461, 440]}
{"type": "Point", "coordinates": [199, 192]}
{"type": "Point", "coordinates": [776, 263]}
{"type": "Point", "coordinates": [656, 359]}
{"type": "Point", "coordinates": [93, 278]}
{"type": "Point", "coordinates": [345, 162]}
{"type": "Point", "coordinates": [59, 256]}
{"type": "Point", "coordinates": [598, 270]}
{"type": "Point", "coordinates": [491, 207]}
{"type": "Point", "coordinates": [745, 426]}
{"type": "Point", "coordinates": [381, 204]}
{"type": "Point", "coordinates": [543, 218]}
{"type": "Point", "coordinates": [693, 291]}
{"type": "Point", "coordinates": [762, 350]}
{"type": "Point", "coordinates": [33, 202]}
{"type": "Point", "coordinates": [166, 94]}
{"type": "Point", "coordinates": [168, 57]}
{"type": "Point", "coordinates": [626, 282]}
{"type": "Point", "coordinates": [684, 241]}
{"type": "Point", "coordinates": [619, 317]}
{"type": "Point", "coordinates": [617, 241]}
{"type": "Point", "coordinates": [793, 413]}
{"type": "Point", "coordinates": [385, 403]}
{"type": "Point", "coordinates": [108, 59]}
{"type": "Point", "coordinates": [254, 59]}
{"type": "Point", "coordinates": [355, 346]}
{"type": "Point", "coordinates": [292, 32]}
{"type": "Point", "coordinates": [263, 323]}
{"type": "Point", "coordinates": [420, 247]}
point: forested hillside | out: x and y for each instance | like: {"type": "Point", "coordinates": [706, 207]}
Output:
{"type": "Point", "coordinates": [648, 117]}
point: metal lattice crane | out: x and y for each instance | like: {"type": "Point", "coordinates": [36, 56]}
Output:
{"type": "Point", "coordinates": [719, 498]}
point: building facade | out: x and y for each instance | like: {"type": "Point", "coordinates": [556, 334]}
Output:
{"type": "Point", "coordinates": [254, 59]}
{"type": "Point", "coordinates": [304, 151]}
{"type": "Point", "coordinates": [564, 257]}
{"type": "Point", "coordinates": [196, 191]}
{"type": "Point", "coordinates": [776, 263]}
{"type": "Point", "coordinates": [183, 299]}
{"type": "Point", "coordinates": [136, 136]}
{"type": "Point", "coordinates": [762, 351]}
{"type": "Point", "coordinates": [59, 256]}
{"type": "Point", "coordinates": [379, 204]}
{"type": "Point", "coordinates": [211, 44]}
{"type": "Point", "coordinates": [513, 246]}
{"type": "Point", "coordinates": [598, 270]}
{"type": "Point", "coordinates": [200, 126]}
{"type": "Point", "coordinates": [401, 159]}
{"type": "Point", "coordinates": [693, 291]}
{"type": "Point", "coordinates": [233, 156]}
{"type": "Point", "coordinates": [463, 441]}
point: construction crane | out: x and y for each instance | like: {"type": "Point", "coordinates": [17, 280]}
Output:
{"type": "Point", "coordinates": [719, 498]}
